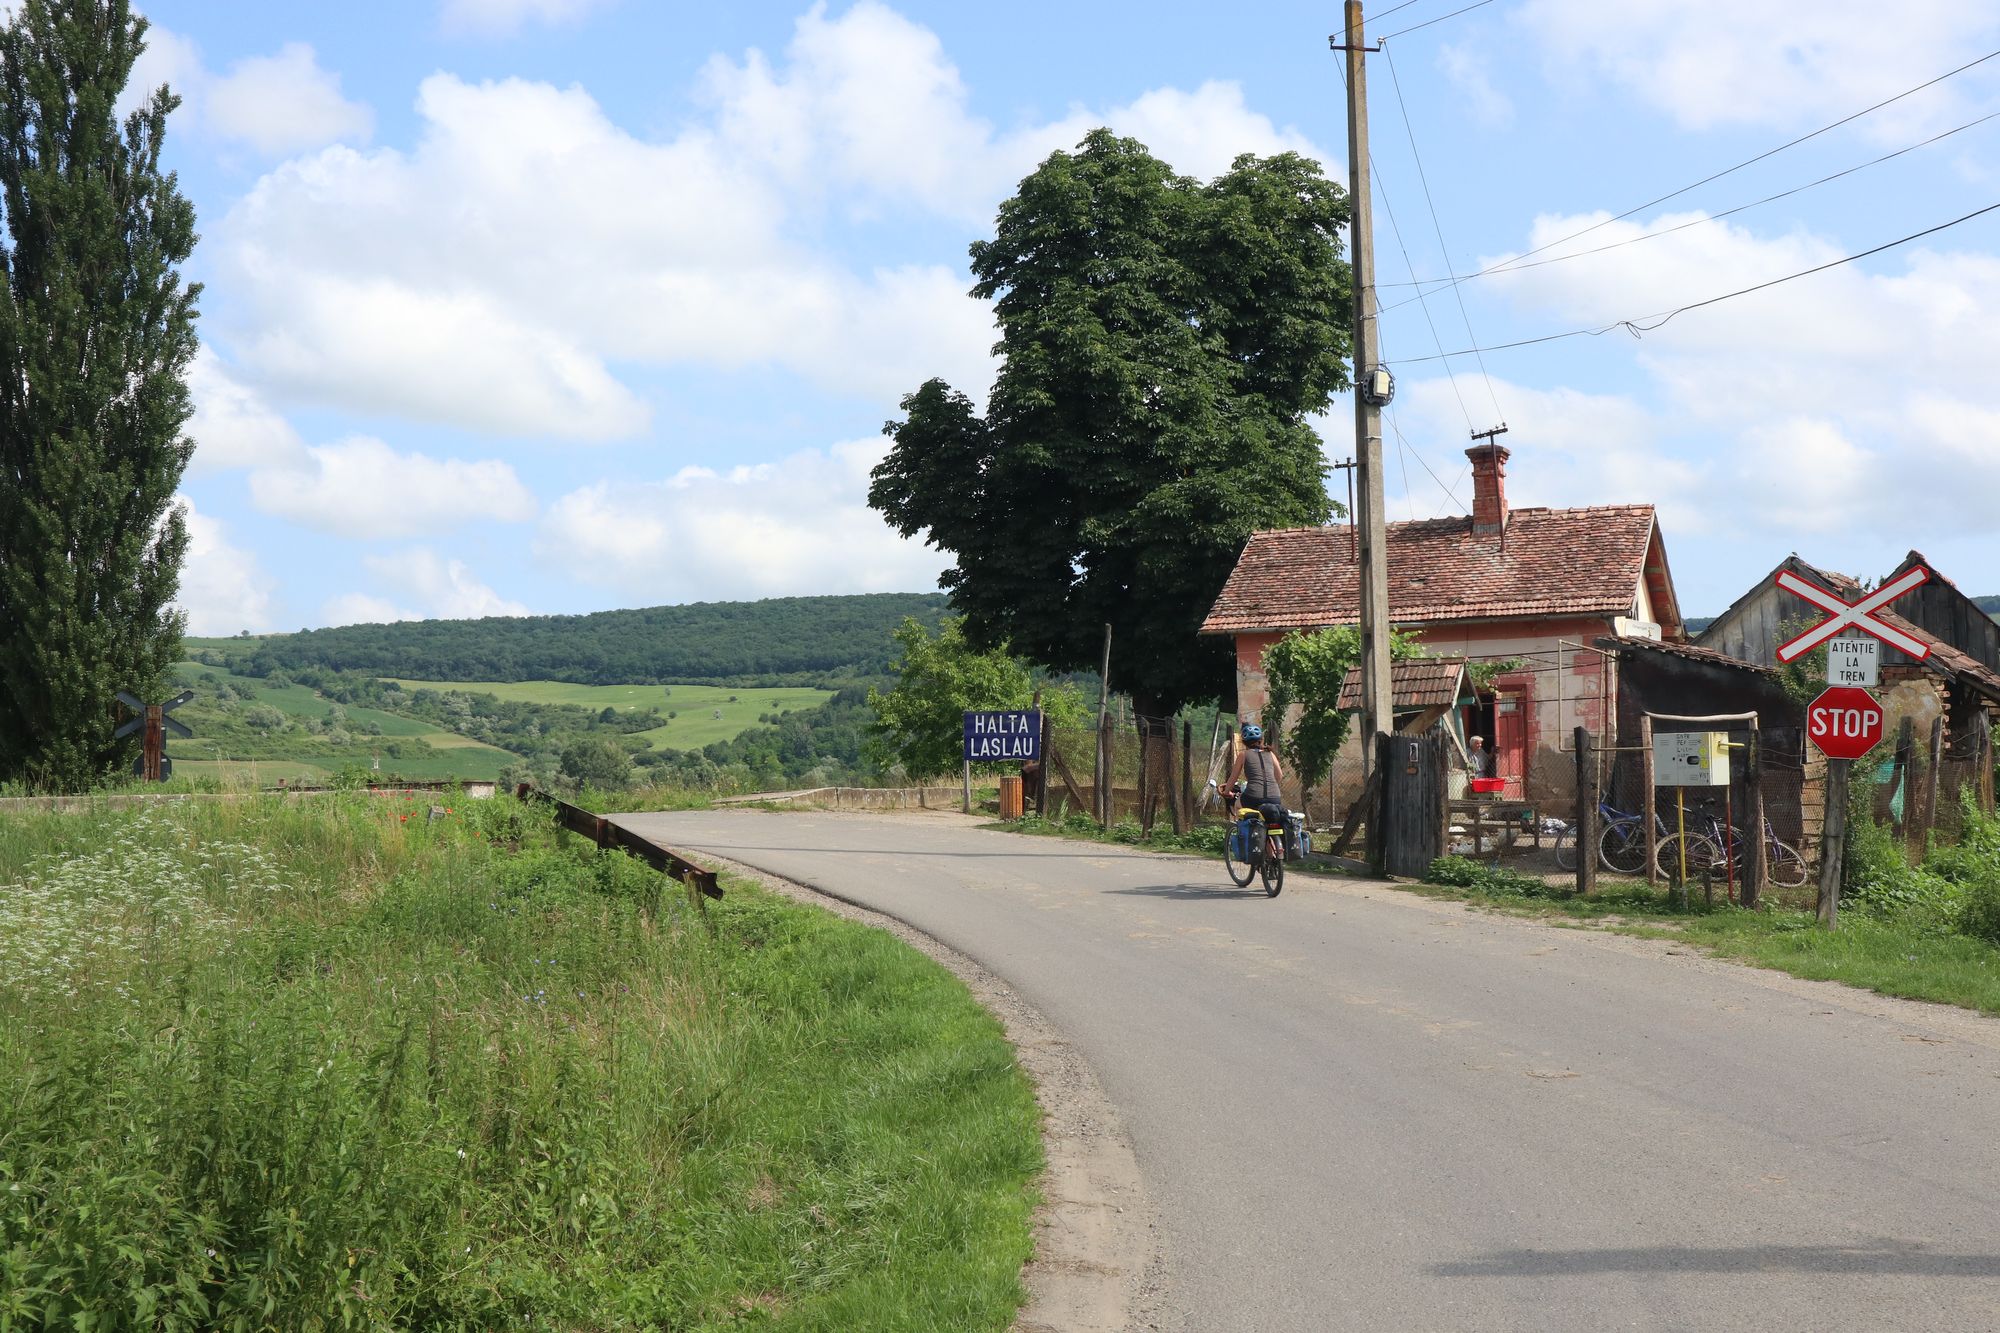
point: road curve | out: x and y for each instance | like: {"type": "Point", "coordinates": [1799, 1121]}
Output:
{"type": "Point", "coordinates": [1359, 1109]}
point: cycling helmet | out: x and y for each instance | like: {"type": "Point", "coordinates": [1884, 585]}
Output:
{"type": "Point", "coordinates": [1252, 732]}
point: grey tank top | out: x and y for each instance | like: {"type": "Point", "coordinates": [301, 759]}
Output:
{"type": "Point", "coordinates": [1260, 778]}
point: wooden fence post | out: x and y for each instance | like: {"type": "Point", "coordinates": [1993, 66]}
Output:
{"type": "Point", "coordinates": [1585, 832]}
{"type": "Point", "coordinates": [1982, 751]}
{"type": "Point", "coordinates": [1647, 810]}
{"type": "Point", "coordinates": [1184, 790]}
{"type": "Point", "coordinates": [1833, 841]}
{"type": "Point", "coordinates": [1756, 866]}
{"type": "Point", "coordinates": [1933, 779]}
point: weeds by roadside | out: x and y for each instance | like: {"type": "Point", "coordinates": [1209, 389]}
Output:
{"type": "Point", "coordinates": [347, 1064]}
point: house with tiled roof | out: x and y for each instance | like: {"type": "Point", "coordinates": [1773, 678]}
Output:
{"type": "Point", "coordinates": [1535, 586]}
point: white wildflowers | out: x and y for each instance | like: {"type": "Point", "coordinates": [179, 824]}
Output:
{"type": "Point", "coordinates": [78, 920]}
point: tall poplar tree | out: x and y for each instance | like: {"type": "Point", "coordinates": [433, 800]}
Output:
{"type": "Point", "coordinates": [96, 333]}
{"type": "Point", "coordinates": [1164, 345]}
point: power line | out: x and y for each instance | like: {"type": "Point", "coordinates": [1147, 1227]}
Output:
{"type": "Point", "coordinates": [1641, 324]}
{"type": "Point", "coordinates": [1427, 23]}
{"type": "Point", "coordinates": [1512, 266]}
{"type": "Point", "coordinates": [1392, 9]}
{"type": "Point", "coordinates": [1396, 230]}
{"type": "Point", "coordinates": [1443, 250]}
{"type": "Point", "coordinates": [1750, 161]}
{"type": "Point", "coordinates": [1449, 493]}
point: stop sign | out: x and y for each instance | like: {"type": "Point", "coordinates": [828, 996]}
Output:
{"type": "Point", "coordinates": [1844, 722]}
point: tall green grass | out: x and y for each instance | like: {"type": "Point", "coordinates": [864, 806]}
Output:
{"type": "Point", "coordinates": [339, 1064]}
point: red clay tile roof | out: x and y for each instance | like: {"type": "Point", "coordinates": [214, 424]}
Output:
{"type": "Point", "coordinates": [1952, 662]}
{"type": "Point", "coordinates": [1554, 562]}
{"type": "Point", "coordinates": [1420, 682]}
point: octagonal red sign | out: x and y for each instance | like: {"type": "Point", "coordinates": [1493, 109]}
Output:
{"type": "Point", "coordinates": [1845, 722]}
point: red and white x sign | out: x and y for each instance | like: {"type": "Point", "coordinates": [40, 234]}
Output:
{"type": "Point", "coordinates": [1853, 615]}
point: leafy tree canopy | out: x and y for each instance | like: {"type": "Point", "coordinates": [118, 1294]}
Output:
{"type": "Point", "coordinates": [96, 334]}
{"type": "Point", "coordinates": [920, 723]}
{"type": "Point", "coordinates": [778, 640]}
{"type": "Point", "coordinates": [1164, 344]}
{"type": "Point", "coordinates": [1308, 669]}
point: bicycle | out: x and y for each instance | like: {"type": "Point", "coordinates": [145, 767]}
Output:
{"type": "Point", "coordinates": [1621, 842]}
{"type": "Point", "coordinates": [1784, 867]}
{"type": "Point", "coordinates": [1255, 847]}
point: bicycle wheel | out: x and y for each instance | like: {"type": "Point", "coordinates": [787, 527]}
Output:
{"type": "Point", "coordinates": [1273, 870]}
{"type": "Point", "coordinates": [1241, 870]}
{"type": "Point", "coordinates": [1621, 848]}
{"type": "Point", "coordinates": [1703, 854]}
{"type": "Point", "coordinates": [1787, 869]}
{"type": "Point", "coordinates": [1566, 848]}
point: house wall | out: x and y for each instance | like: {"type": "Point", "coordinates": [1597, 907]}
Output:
{"type": "Point", "coordinates": [1560, 685]}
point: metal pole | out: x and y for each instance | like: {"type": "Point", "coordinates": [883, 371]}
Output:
{"type": "Point", "coordinates": [968, 786]}
{"type": "Point", "coordinates": [1756, 866]}
{"type": "Point", "coordinates": [1586, 813]}
{"type": "Point", "coordinates": [1649, 809]}
{"type": "Point", "coordinates": [1374, 572]}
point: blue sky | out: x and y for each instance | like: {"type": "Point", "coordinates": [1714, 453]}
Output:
{"type": "Point", "coordinates": [556, 305]}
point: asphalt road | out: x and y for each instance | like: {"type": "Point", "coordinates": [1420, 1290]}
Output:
{"type": "Point", "coordinates": [1358, 1109]}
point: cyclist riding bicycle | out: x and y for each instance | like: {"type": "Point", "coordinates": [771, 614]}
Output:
{"type": "Point", "coordinates": [1255, 776]}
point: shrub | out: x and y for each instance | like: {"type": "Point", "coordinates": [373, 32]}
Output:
{"type": "Point", "coordinates": [1461, 872]}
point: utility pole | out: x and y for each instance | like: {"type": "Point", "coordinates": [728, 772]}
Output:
{"type": "Point", "coordinates": [1372, 388]}
{"type": "Point", "coordinates": [1353, 521]}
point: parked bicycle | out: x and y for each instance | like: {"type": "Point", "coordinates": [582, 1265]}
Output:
{"type": "Point", "coordinates": [1722, 850]}
{"type": "Point", "coordinates": [1621, 841]}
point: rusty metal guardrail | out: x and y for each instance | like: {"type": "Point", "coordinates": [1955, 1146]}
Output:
{"type": "Point", "coordinates": [701, 882]}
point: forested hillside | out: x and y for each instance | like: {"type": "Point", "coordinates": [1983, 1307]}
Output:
{"type": "Point", "coordinates": [783, 640]}
{"type": "Point", "coordinates": [1990, 605]}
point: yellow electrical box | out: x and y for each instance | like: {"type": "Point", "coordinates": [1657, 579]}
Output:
{"type": "Point", "coordinates": [1691, 759]}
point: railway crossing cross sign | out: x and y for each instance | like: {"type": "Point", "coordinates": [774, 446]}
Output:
{"type": "Point", "coordinates": [1856, 615]}
{"type": "Point", "coordinates": [152, 763]}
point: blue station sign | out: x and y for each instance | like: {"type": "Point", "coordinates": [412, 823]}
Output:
{"type": "Point", "coordinates": [999, 736]}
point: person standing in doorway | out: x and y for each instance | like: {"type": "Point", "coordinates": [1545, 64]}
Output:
{"type": "Point", "coordinates": [1479, 761]}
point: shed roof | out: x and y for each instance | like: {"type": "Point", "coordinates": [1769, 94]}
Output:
{"type": "Point", "coordinates": [1552, 562]}
{"type": "Point", "coordinates": [1419, 682]}
{"type": "Point", "coordinates": [1625, 642]}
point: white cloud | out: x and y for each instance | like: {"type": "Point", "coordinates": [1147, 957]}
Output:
{"type": "Point", "coordinates": [223, 588]}
{"type": "Point", "coordinates": [362, 488]}
{"type": "Point", "coordinates": [358, 608]}
{"type": "Point", "coordinates": [232, 425]}
{"type": "Point", "coordinates": [502, 18]}
{"type": "Point", "coordinates": [801, 525]}
{"type": "Point", "coordinates": [1776, 63]}
{"type": "Point", "coordinates": [279, 103]}
{"type": "Point", "coordinates": [492, 275]}
{"type": "Point", "coordinates": [1860, 397]}
{"type": "Point", "coordinates": [446, 588]}
{"type": "Point", "coordinates": [1467, 70]}
{"type": "Point", "coordinates": [1568, 448]}
{"type": "Point", "coordinates": [282, 103]}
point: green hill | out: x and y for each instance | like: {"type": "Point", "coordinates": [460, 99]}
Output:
{"type": "Point", "coordinates": [779, 641]}
{"type": "Point", "coordinates": [1990, 605]}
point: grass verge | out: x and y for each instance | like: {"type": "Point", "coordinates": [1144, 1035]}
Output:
{"type": "Point", "coordinates": [335, 1064]}
{"type": "Point", "coordinates": [1896, 943]}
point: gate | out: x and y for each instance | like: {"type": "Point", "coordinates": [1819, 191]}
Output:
{"type": "Point", "coordinates": [1414, 812]}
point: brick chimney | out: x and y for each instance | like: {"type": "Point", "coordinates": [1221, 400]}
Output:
{"type": "Point", "coordinates": [1489, 487]}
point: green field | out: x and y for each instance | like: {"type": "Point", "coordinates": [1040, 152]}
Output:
{"type": "Point", "coordinates": [223, 749]}
{"type": "Point", "coordinates": [697, 705]}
